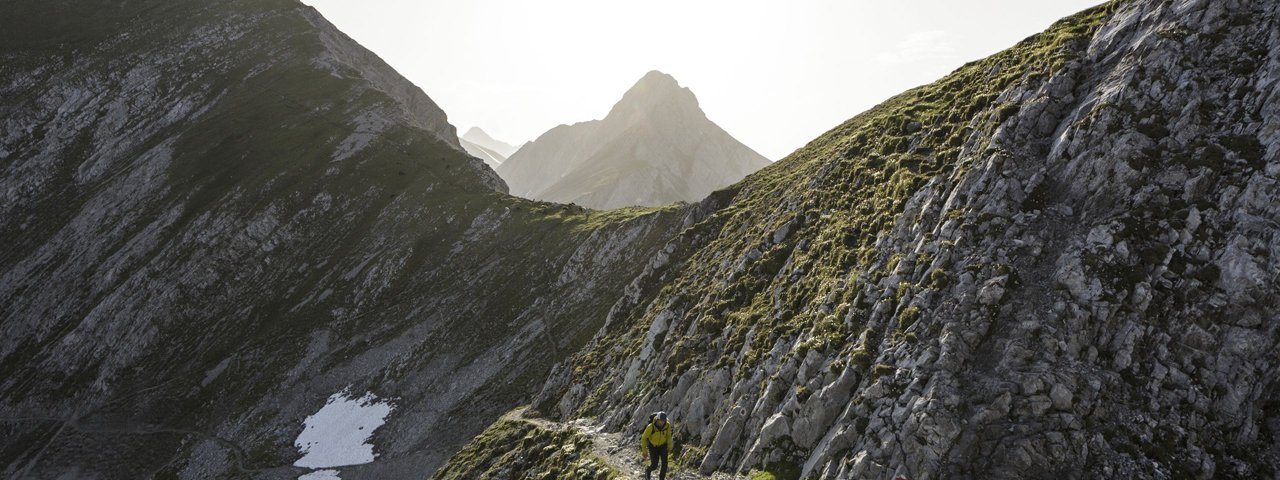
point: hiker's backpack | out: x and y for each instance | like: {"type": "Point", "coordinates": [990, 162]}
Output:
{"type": "Point", "coordinates": [653, 417]}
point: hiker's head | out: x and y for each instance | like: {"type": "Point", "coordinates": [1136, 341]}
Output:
{"type": "Point", "coordinates": [662, 419]}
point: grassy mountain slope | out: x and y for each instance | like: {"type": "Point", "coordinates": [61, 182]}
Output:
{"type": "Point", "coordinates": [1050, 262]}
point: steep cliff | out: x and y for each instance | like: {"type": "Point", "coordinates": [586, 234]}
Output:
{"type": "Point", "coordinates": [1059, 261]}
{"type": "Point", "coordinates": [222, 218]}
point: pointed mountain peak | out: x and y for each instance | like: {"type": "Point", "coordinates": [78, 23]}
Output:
{"type": "Point", "coordinates": [656, 78]}
{"type": "Point", "coordinates": [656, 90]}
{"type": "Point", "coordinates": [476, 133]}
{"type": "Point", "coordinates": [656, 146]}
{"type": "Point", "coordinates": [656, 84]}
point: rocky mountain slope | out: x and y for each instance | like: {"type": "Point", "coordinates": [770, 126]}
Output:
{"type": "Point", "coordinates": [225, 221]}
{"type": "Point", "coordinates": [480, 145]}
{"type": "Point", "coordinates": [581, 451]}
{"type": "Point", "coordinates": [655, 147]}
{"type": "Point", "coordinates": [1059, 261]}
{"type": "Point", "coordinates": [222, 218]}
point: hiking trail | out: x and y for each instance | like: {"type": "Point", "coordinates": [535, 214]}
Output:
{"type": "Point", "coordinates": [617, 450]}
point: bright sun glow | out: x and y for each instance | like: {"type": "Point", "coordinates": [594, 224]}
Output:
{"type": "Point", "coordinates": [773, 74]}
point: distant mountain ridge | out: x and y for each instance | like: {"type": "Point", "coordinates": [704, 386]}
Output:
{"type": "Point", "coordinates": [479, 144]}
{"type": "Point", "coordinates": [479, 137]}
{"type": "Point", "coordinates": [656, 146]}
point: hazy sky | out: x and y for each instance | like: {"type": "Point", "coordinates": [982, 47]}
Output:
{"type": "Point", "coordinates": [774, 74]}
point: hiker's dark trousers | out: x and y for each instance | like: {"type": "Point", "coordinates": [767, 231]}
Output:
{"type": "Point", "coordinates": [657, 455]}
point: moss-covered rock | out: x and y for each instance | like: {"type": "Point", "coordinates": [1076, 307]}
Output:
{"type": "Point", "coordinates": [519, 449]}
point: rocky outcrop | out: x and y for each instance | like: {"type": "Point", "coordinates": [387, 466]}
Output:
{"type": "Point", "coordinates": [1055, 262]}
{"type": "Point", "coordinates": [655, 147]}
{"type": "Point", "coordinates": [531, 449]}
{"type": "Point", "coordinates": [343, 57]}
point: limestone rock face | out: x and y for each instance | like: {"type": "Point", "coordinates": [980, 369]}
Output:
{"type": "Point", "coordinates": [655, 147]}
{"type": "Point", "coordinates": [343, 57]}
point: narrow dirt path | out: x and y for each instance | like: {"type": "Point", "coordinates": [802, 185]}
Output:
{"type": "Point", "coordinates": [616, 450]}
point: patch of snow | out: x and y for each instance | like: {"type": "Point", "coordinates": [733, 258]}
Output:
{"type": "Point", "coordinates": [321, 475]}
{"type": "Point", "coordinates": [339, 433]}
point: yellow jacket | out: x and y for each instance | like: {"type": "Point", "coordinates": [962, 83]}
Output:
{"type": "Point", "coordinates": [655, 436]}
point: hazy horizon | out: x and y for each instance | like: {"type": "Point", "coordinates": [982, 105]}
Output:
{"type": "Point", "coordinates": [773, 76]}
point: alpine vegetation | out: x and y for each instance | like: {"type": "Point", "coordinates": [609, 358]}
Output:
{"type": "Point", "coordinates": [1058, 260]}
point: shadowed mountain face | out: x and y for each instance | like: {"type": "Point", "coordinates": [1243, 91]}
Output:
{"type": "Point", "coordinates": [655, 146]}
{"type": "Point", "coordinates": [218, 215]}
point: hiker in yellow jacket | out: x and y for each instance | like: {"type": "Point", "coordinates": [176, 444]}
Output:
{"type": "Point", "coordinates": [654, 443]}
